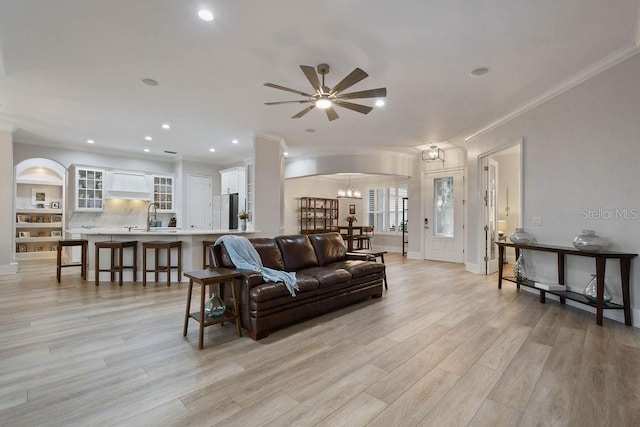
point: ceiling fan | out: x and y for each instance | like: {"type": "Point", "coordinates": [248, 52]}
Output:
{"type": "Point", "coordinates": [325, 98]}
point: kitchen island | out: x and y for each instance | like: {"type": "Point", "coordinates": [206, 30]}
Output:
{"type": "Point", "coordinates": [191, 245]}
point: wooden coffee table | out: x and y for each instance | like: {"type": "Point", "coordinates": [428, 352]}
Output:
{"type": "Point", "coordinates": [212, 276]}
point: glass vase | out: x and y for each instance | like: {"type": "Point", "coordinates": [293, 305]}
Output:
{"type": "Point", "coordinates": [591, 291]}
{"type": "Point", "coordinates": [520, 237]}
{"type": "Point", "coordinates": [588, 241]}
{"type": "Point", "coordinates": [214, 307]}
{"type": "Point", "coordinates": [520, 269]}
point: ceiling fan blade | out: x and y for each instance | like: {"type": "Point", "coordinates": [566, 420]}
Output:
{"type": "Point", "coordinates": [353, 78]}
{"type": "Point", "coordinates": [310, 72]}
{"type": "Point", "coordinates": [371, 93]}
{"type": "Point", "coordinates": [364, 109]}
{"type": "Point", "coordinates": [286, 102]}
{"type": "Point", "coordinates": [287, 89]}
{"type": "Point", "coordinates": [331, 114]}
{"type": "Point", "coordinates": [303, 112]}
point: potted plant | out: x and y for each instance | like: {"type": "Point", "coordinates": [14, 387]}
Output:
{"type": "Point", "coordinates": [243, 216]}
{"type": "Point", "coordinates": [351, 219]}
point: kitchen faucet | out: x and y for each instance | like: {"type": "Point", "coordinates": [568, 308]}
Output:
{"type": "Point", "coordinates": [155, 218]}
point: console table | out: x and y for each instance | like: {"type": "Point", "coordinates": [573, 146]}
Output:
{"type": "Point", "coordinates": [600, 259]}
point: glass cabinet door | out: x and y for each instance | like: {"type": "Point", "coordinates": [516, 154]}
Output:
{"type": "Point", "coordinates": [89, 189]}
{"type": "Point", "coordinates": [163, 193]}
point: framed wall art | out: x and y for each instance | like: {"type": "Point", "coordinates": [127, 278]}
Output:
{"type": "Point", "coordinates": [39, 196]}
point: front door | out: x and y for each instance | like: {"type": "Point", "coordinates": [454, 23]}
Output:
{"type": "Point", "coordinates": [200, 197]}
{"type": "Point", "coordinates": [443, 222]}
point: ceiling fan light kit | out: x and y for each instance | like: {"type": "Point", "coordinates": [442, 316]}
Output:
{"type": "Point", "coordinates": [326, 98]}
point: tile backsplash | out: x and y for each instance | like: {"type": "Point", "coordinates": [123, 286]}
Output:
{"type": "Point", "coordinates": [117, 213]}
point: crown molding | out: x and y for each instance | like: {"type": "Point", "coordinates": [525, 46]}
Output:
{"type": "Point", "coordinates": [637, 40]}
{"type": "Point", "coordinates": [604, 64]}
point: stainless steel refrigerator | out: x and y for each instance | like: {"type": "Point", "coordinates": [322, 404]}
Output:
{"type": "Point", "coordinates": [225, 212]}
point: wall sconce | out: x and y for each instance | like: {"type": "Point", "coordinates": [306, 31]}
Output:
{"type": "Point", "coordinates": [433, 154]}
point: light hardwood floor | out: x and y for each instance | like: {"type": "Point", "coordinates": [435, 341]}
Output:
{"type": "Point", "coordinates": [442, 347]}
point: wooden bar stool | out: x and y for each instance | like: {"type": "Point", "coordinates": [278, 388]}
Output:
{"type": "Point", "coordinates": [83, 263]}
{"type": "Point", "coordinates": [205, 253]}
{"type": "Point", "coordinates": [117, 251]}
{"type": "Point", "coordinates": [157, 246]}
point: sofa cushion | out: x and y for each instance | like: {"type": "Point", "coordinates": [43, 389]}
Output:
{"type": "Point", "coordinates": [359, 268]}
{"type": "Point", "coordinates": [329, 247]}
{"type": "Point", "coordinates": [327, 276]}
{"type": "Point", "coordinates": [220, 257]}
{"type": "Point", "coordinates": [269, 252]}
{"type": "Point", "coordinates": [297, 252]}
{"type": "Point", "coordinates": [271, 290]}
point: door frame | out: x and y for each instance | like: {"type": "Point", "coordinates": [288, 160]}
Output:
{"type": "Point", "coordinates": [482, 241]}
{"type": "Point", "coordinates": [490, 266]}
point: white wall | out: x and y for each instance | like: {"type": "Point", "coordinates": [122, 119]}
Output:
{"type": "Point", "coordinates": [6, 194]}
{"type": "Point", "coordinates": [269, 186]}
{"type": "Point", "coordinates": [581, 155]}
{"type": "Point", "coordinates": [296, 188]}
{"type": "Point", "coordinates": [68, 157]}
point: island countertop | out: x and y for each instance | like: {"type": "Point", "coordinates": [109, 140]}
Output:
{"type": "Point", "coordinates": [154, 231]}
{"type": "Point", "coordinates": [194, 244]}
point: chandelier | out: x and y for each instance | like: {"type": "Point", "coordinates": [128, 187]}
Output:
{"type": "Point", "coordinates": [349, 192]}
{"type": "Point", "coordinates": [433, 154]}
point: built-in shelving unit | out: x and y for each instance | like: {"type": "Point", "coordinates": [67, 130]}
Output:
{"type": "Point", "coordinates": [39, 213]}
{"type": "Point", "coordinates": [318, 215]}
{"type": "Point", "coordinates": [405, 218]}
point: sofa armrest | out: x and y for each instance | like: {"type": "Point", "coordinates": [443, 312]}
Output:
{"type": "Point", "coordinates": [360, 257]}
{"type": "Point", "coordinates": [248, 280]}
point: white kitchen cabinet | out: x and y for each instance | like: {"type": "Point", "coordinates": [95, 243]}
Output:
{"type": "Point", "coordinates": [163, 187]}
{"type": "Point", "coordinates": [232, 180]}
{"type": "Point", "coordinates": [88, 189]}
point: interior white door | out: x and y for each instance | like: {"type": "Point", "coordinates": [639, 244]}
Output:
{"type": "Point", "coordinates": [491, 176]}
{"type": "Point", "coordinates": [443, 223]}
{"type": "Point", "coordinates": [200, 198]}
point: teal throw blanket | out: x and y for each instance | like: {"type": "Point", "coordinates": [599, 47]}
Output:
{"type": "Point", "coordinates": [245, 257]}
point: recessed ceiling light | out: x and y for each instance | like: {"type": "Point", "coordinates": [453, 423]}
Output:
{"type": "Point", "coordinates": [235, 141]}
{"type": "Point", "coordinates": [310, 130]}
{"type": "Point", "coordinates": [479, 71]}
{"type": "Point", "coordinates": [148, 138]}
{"type": "Point", "coordinates": [150, 82]}
{"type": "Point", "coordinates": [90, 141]}
{"type": "Point", "coordinates": [166, 126]}
{"type": "Point", "coordinates": [146, 150]}
{"type": "Point", "coordinates": [380, 103]}
{"type": "Point", "coordinates": [213, 150]}
{"type": "Point", "coordinates": [205, 15]}
{"type": "Point", "coordinates": [285, 154]}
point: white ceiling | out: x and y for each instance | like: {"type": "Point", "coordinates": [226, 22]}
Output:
{"type": "Point", "coordinates": [71, 69]}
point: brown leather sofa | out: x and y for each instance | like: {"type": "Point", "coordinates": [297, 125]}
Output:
{"type": "Point", "coordinates": [327, 277]}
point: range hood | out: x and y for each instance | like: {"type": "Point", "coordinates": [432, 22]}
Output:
{"type": "Point", "coordinates": [128, 185]}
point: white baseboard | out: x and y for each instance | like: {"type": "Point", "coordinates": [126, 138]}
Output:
{"type": "Point", "coordinates": [8, 269]}
{"type": "Point", "coordinates": [473, 268]}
